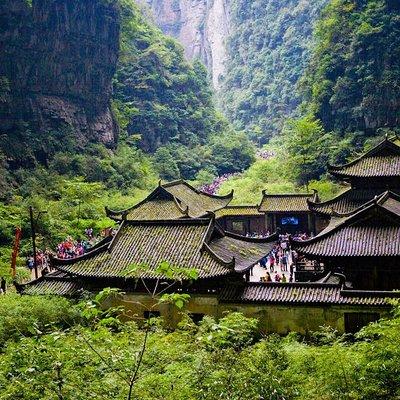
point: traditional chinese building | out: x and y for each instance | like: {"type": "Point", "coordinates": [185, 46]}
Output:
{"type": "Point", "coordinates": [363, 245]}
{"type": "Point", "coordinates": [187, 229]}
{"type": "Point", "coordinates": [131, 260]}
{"type": "Point", "coordinates": [243, 220]}
{"type": "Point", "coordinates": [370, 175]}
{"type": "Point", "coordinates": [289, 212]}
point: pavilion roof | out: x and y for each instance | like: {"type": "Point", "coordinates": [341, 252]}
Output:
{"type": "Point", "coordinates": [346, 202]}
{"type": "Point", "coordinates": [246, 251]}
{"type": "Point", "coordinates": [381, 161]}
{"type": "Point", "coordinates": [173, 200]}
{"type": "Point", "coordinates": [185, 243]}
{"type": "Point", "coordinates": [236, 211]}
{"type": "Point", "coordinates": [286, 202]}
{"type": "Point", "coordinates": [198, 202]}
{"type": "Point", "coordinates": [372, 230]}
{"type": "Point", "coordinates": [251, 292]}
{"type": "Point", "coordinates": [303, 293]}
{"type": "Point", "coordinates": [55, 283]}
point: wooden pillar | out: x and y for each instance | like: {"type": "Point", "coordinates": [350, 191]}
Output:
{"type": "Point", "coordinates": [310, 223]}
{"type": "Point", "coordinates": [274, 223]}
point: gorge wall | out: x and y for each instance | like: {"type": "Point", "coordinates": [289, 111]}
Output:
{"type": "Point", "coordinates": [255, 52]}
{"type": "Point", "coordinates": [57, 60]}
{"type": "Point", "coordinates": [201, 26]}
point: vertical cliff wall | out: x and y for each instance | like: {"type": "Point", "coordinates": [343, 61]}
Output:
{"type": "Point", "coordinates": [202, 26]}
{"type": "Point", "coordinates": [57, 60]}
{"type": "Point", "coordinates": [255, 51]}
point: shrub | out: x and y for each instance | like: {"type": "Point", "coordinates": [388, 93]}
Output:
{"type": "Point", "coordinates": [22, 316]}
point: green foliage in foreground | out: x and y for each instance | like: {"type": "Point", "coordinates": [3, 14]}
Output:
{"type": "Point", "coordinates": [33, 316]}
{"type": "Point", "coordinates": [224, 360]}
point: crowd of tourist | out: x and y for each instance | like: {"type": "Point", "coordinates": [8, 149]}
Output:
{"type": "Point", "coordinates": [213, 187]}
{"type": "Point", "coordinates": [70, 248]}
{"type": "Point", "coordinates": [280, 263]}
{"type": "Point", "coordinates": [67, 249]}
{"type": "Point", "coordinates": [301, 236]}
{"type": "Point", "coordinates": [42, 259]}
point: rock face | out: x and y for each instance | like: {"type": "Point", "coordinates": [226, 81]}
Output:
{"type": "Point", "coordinates": [57, 60]}
{"type": "Point", "coordinates": [202, 26]}
{"type": "Point", "coordinates": [255, 51]}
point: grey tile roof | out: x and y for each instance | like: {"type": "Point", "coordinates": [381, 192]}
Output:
{"type": "Point", "coordinates": [237, 211]}
{"type": "Point", "coordinates": [286, 202]}
{"type": "Point", "coordinates": [371, 231]}
{"type": "Point", "coordinates": [157, 210]}
{"type": "Point", "coordinates": [356, 241]}
{"type": "Point", "coordinates": [302, 294]}
{"type": "Point", "coordinates": [55, 283]}
{"type": "Point", "coordinates": [188, 243]}
{"type": "Point", "coordinates": [246, 251]}
{"type": "Point", "coordinates": [180, 243]}
{"type": "Point", "coordinates": [346, 202]}
{"type": "Point", "coordinates": [381, 161]}
{"type": "Point", "coordinates": [198, 203]}
{"type": "Point", "coordinates": [171, 201]}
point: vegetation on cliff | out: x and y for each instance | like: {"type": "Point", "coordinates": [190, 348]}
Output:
{"type": "Point", "coordinates": [268, 51]}
{"type": "Point", "coordinates": [349, 91]}
{"type": "Point", "coordinates": [59, 116]}
{"type": "Point", "coordinates": [164, 102]}
{"type": "Point", "coordinates": [352, 82]}
{"type": "Point", "coordinates": [351, 87]}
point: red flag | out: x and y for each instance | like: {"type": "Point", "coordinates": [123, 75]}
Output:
{"type": "Point", "coordinates": [15, 252]}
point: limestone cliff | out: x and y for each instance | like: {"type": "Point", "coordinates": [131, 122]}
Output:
{"type": "Point", "coordinates": [255, 51]}
{"type": "Point", "coordinates": [202, 26]}
{"type": "Point", "coordinates": [57, 60]}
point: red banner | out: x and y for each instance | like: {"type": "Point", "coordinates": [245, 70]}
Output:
{"type": "Point", "coordinates": [15, 252]}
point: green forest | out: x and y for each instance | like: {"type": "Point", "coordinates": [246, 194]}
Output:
{"type": "Point", "coordinates": [348, 94]}
{"type": "Point", "coordinates": [268, 52]}
{"type": "Point", "coordinates": [319, 85]}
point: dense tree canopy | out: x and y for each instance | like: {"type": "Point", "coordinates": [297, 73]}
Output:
{"type": "Point", "coordinates": [163, 100]}
{"type": "Point", "coordinates": [268, 51]}
{"type": "Point", "coordinates": [168, 98]}
{"type": "Point", "coordinates": [351, 88]}
{"type": "Point", "coordinates": [353, 81]}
